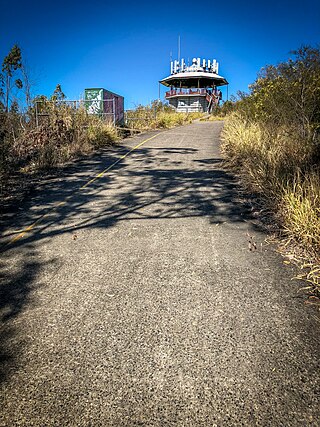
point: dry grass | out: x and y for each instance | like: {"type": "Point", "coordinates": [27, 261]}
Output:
{"type": "Point", "coordinates": [276, 165]}
{"type": "Point", "coordinates": [212, 118]}
{"type": "Point", "coordinates": [168, 120]}
{"type": "Point", "coordinates": [301, 209]}
{"type": "Point", "coordinates": [100, 133]}
{"type": "Point", "coordinates": [65, 135]}
{"type": "Point", "coordinates": [145, 118]}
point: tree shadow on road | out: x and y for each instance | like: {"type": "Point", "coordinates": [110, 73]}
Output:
{"type": "Point", "coordinates": [16, 288]}
{"type": "Point", "coordinates": [151, 184]}
{"type": "Point", "coordinates": [154, 186]}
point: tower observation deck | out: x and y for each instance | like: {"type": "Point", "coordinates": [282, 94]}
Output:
{"type": "Point", "coordinates": [194, 88]}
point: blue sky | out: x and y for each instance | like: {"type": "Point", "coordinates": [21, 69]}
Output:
{"type": "Point", "coordinates": [125, 46]}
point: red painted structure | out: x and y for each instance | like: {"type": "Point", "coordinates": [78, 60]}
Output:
{"type": "Point", "coordinates": [116, 106]}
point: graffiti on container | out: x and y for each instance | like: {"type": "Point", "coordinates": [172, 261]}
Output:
{"type": "Point", "coordinates": [94, 101]}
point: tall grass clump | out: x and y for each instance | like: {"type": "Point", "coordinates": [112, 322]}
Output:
{"type": "Point", "coordinates": [100, 133]}
{"type": "Point", "coordinates": [301, 209]}
{"type": "Point", "coordinates": [273, 139]}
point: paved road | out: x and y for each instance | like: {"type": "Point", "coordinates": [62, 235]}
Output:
{"type": "Point", "coordinates": [138, 302]}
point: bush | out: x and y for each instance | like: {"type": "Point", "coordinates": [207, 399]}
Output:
{"type": "Point", "coordinates": [223, 110]}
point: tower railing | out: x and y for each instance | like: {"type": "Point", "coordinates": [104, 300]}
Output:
{"type": "Point", "coordinates": [181, 92]}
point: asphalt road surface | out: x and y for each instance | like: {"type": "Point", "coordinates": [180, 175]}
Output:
{"type": "Point", "coordinates": [137, 302]}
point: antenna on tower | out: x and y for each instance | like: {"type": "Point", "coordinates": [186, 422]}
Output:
{"type": "Point", "coordinates": [179, 42]}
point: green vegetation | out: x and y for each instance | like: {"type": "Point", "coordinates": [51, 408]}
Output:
{"type": "Point", "coordinates": [272, 138]}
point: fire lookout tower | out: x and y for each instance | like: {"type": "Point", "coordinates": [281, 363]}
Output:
{"type": "Point", "coordinates": [194, 88]}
